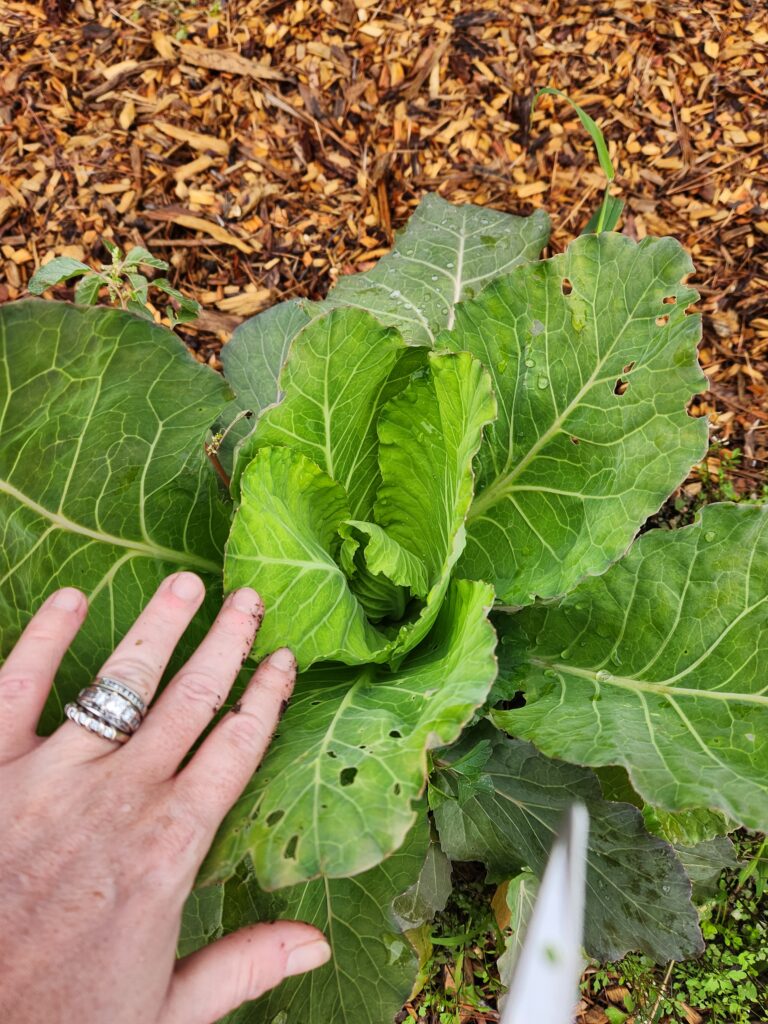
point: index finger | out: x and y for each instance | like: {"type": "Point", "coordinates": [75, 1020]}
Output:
{"type": "Point", "coordinates": [27, 675]}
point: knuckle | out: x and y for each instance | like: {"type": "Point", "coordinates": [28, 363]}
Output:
{"type": "Point", "coordinates": [41, 633]}
{"type": "Point", "coordinates": [16, 686]}
{"type": "Point", "coordinates": [199, 688]}
{"type": "Point", "coordinates": [137, 673]}
{"type": "Point", "coordinates": [247, 732]}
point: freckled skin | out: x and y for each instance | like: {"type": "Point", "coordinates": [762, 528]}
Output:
{"type": "Point", "coordinates": [101, 843]}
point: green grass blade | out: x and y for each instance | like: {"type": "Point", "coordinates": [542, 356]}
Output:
{"type": "Point", "coordinates": [595, 133]}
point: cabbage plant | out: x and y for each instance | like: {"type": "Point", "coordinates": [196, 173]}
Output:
{"type": "Point", "coordinates": [438, 497]}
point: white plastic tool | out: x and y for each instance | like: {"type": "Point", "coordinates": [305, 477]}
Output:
{"type": "Point", "coordinates": [545, 980]}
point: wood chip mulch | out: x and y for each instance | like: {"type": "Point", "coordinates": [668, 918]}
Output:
{"type": "Point", "coordinates": [264, 148]}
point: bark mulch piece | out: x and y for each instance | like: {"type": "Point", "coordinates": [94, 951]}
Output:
{"type": "Point", "coordinates": [264, 148]}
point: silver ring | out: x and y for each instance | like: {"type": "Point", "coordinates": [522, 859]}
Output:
{"type": "Point", "coordinates": [93, 724]}
{"type": "Point", "coordinates": [109, 708]}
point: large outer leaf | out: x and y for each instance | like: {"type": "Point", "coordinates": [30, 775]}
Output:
{"type": "Point", "coordinates": [371, 971]}
{"type": "Point", "coordinates": [572, 469]}
{"type": "Point", "coordinates": [660, 666]}
{"type": "Point", "coordinates": [253, 356]}
{"type": "Point", "coordinates": [638, 895]}
{"type": "Point", "coordinates": [445, 253]}
{"type": "Point", "coordinates": [282, 542]}
{"type": "Point", "coordinates": [335, 381]}
{"type": "Point", "coordinates": [335, 793]}
{"type": "Point", "coordinates": [252, 359]}
{"type": "Point", "coordinates": [429, 893]}
{"type": "Point", "coordinates": [103, 481]}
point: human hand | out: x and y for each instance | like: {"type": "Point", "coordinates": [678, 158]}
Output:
{"type": "Point", "coordinates": [100, 844]}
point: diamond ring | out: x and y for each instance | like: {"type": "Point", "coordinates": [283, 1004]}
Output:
{"type": "Point", "coordinates": [108, 708]}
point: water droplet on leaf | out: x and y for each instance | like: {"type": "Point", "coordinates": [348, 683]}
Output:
{"type": "Point", "coordinates": [529, 362]}
{"type": "Point", "coordinates": [709, 536]}
{"type": "Point", "coordinates": [603, 676]}
{"type": "Point", "coordinates": [542, 383]}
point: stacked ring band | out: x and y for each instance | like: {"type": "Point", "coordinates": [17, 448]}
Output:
{"type": "Point", "coordinates": [108, 708]}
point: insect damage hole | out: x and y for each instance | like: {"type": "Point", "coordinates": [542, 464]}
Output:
{"type": "Point", "coordinates": [669, 300]}
{"type": "Point", "coordinates": [620, 387]}
{"type": "Point", "coordinates": [566, 286]}
{"type": "Point", "coordinates": [662, 321]}
{"type": "Point", "coordinates": [395, 734]}
{"type": "Point", "coordinates": [347, 776]}
{"type": "Point", "coordinates": [274, 817]}
{"type": "Point", "coordinates": [290, 848]}
{"type": "Point", "coordinates": [629, 367]}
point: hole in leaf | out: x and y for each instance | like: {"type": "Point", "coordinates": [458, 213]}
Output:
{"type": "Point", "coordinates": [567, 286]}
{"type": "Point", "coordinates": [347, 776]}
{"type": "Point", "coordinates": [395, 734]}
{"type": "Point", "coordinates": [290, 848]}
{"type": "Point", "coordinates": [669, 300]}
{"type": "Point", "coordinates": [575, 440]}
{"type": "Point", "coordinates": [396, 789]}
{"type": "Point", "coordinates": [629, 367]}
{"type": "Point", "coordinates": [662, 321]}
{"type": "Point", "coordinates": [314, 703]}
{"type": "Point", "coordinates": [273, 818]}
{"type": "Point", "coordinates": [620, 387]}
{"type": "Point", "coordinates": [331, 753]}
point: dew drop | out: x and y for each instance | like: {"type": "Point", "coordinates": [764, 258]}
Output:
{"type": "Point", "coordinates": [709, 536]}
{"type": "Point", "coordinates": [542, 383]}
{"type": "Point", "coordinates": [537, 327]}
{"type": "Point", "coordinates": [450, 265]}
{"type": "Point", "coordinates": [529, 362]}
{"type": "Point", "coordinates": [603, 676]}
{"type": "Point", "coordinates": [433, 277]}
{"type": "Point", "coordinates": [750, 736]}
{"type": "Point", "coordinates": [665, 889]}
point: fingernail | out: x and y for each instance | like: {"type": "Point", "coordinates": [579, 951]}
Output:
{"type": "Point", "coordinates": [282, 659]}
{"type": "Point", "coordinates": [187, 586]}
{"type": "Point", "coordinates": [68, 599]}
{"type": "Point", "coordinates": [246, 600]}
{"type": "Point", "coordinates": [307, 957]}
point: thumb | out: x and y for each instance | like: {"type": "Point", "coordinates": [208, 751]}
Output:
{"type": "Point", "coordinates": [209, 983]}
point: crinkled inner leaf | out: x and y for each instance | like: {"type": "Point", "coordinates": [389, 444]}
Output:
{"type": "Point", "coordinates": [659, 666]}
{"type": "Point", "coordinates": [592, 386]}
{"type": "Point", "coordinates": [638, 896]}
{"type": "Point", "coordinates": [335, 793]}
{"type": "Point", "coordinates": [338, 375]}
{"type": "Point", "coordinates": [429, 436]}
{"type": "Point", "coordinates": [283, 542]}
{"type": "Point", "coordinates": [103, 480]}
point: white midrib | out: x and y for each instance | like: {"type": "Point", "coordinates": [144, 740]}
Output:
{"type": "Point", "coordinates": [457, 282]}
{"type": "Point", "coordinates": [661, 689]}
{"type": "Point", "coordinates": [149, 550]}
